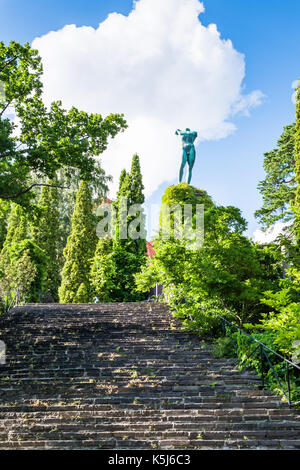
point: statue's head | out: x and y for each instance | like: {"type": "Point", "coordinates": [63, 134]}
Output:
{"type": "Point", "coordinates": [188, 130]}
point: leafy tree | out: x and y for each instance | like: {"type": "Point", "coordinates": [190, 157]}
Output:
{"type": "Point", "coordinates": [21, 253]}
{"type": "Point", "coordinates": [17, 231]}
{"type": "Point", "coordinates": [4, 212]}
{"type": "Point", "coordinates": [45, 233]}
{"type": "Point", "coordinates": [226, 275]}
{"type": "Point", "coordinates": [16, 283]}
{"type": "Point", "coordinates": [79, 251]}
{"type": "Point", "coordinates": [112, 273]}
{"type": "Point", "coordinates": [46, 139]}
{"type": "Point", "coordinates": [278, 187]}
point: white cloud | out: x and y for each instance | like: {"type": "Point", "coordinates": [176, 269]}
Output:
{"type": "Point", "coordinates": [160, 67]}
{"type": "Point", "coordinates": [271, 234]}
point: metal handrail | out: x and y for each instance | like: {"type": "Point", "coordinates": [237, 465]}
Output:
{"type": "Point", "coordinates": [263, 347]}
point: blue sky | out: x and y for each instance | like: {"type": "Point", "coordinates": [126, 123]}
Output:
{"type": "Point", "coordinates": [266, 31]}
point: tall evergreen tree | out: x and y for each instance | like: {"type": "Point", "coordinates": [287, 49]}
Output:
{"type": "Point", "coordinates": [16, 249]}
{"type": "Point", "coordinates": [137, 197]}
{"type": "Point", "coordinates": [4, 212]}
{"type": "Point", "coordinates": [278, 187]}
{"type": "Point", "coordinates": [45, 233]}
{"type": "Point", "coordinates": [117, 261]}
{"type": "Point", "coordinates": [79, 251]}
{"type": "Point", "coordinates": [131, 186]}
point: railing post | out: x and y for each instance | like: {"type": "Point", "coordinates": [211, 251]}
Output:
{"type": "Point", "coordinates": [224, 327]}
{"type": "Point", "coordinates": [288, 383]}
{"type": "Point", "coordinates": [262, 367]}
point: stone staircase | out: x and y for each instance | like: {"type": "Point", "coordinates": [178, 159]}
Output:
{"type": "Point", "coordinates": [124, 376]}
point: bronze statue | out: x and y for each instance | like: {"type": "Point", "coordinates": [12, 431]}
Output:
{"type": "Point", "coordinates": [189, 152]}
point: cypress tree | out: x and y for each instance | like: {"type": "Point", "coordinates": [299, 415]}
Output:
{"type": "Point", "coordinates": [297, 145]}
{"type": "Point", "coordinates": [297, 164]}
{"type": "Point", "coordinates": [79, 251]}
{"type": "Point", "coordinates": [278, 187]}
{"type": "Point", "coordinates": [46, 235]}
{"type": "Point", "coordinates": [137, 187]}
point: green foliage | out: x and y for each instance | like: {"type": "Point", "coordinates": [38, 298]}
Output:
{"type": "Point", "coordinates": [297, 166]}
{"type": "Point", "coordinates": [131, 187]}
{"type": "Point", "coordinates": [112, 273]}
{"type": "Point", "coordinates": [226, 275]}
{"type": "Point", "coordinates": [83, 294]}
{"type": "Point", "coordinates": [48, 139]}
{"type": "Point", "coordinates": [45, 233]}
{"type": "Point", "coordinates": [79, 251]}
{"type": "Point", "coordinates": [4, 212]}
{"type": "Point", "coordinates": [19, 254]}
{"type": "Point", "coordinates": [67, 199]}
{"type": "Point", "coordinates": [17, 231]}
{"type": "Point", "coordinates": [184, 193]}
{"type": "Point", "coordinates": [250, 356]}
{"type": "Point", "coordinates": [117, 261]}
{"type": "Point", "coordinates": [104, 271]}
{"type": "Point", "coordinates": [284, 319]}
{"type": "Point", "coordinates": [137, 187]}
{"type": "Point", "coordinates": [136, 196]}
{"type": "Point", "coordinates": [223, 347]}
{"type": "Point", "coordinates": [278, 187]}
{"type": "Point", "coordinates": [39, 260]}
{"type": "Point", "coordinates": [16, 284]}
{"type": "Point", "coordinates": [176, 197]}
{"type": "Point", "coordinates": [279, 329]}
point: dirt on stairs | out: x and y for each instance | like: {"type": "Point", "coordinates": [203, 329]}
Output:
{"type": "Point", "coordinates": [125, 376]}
